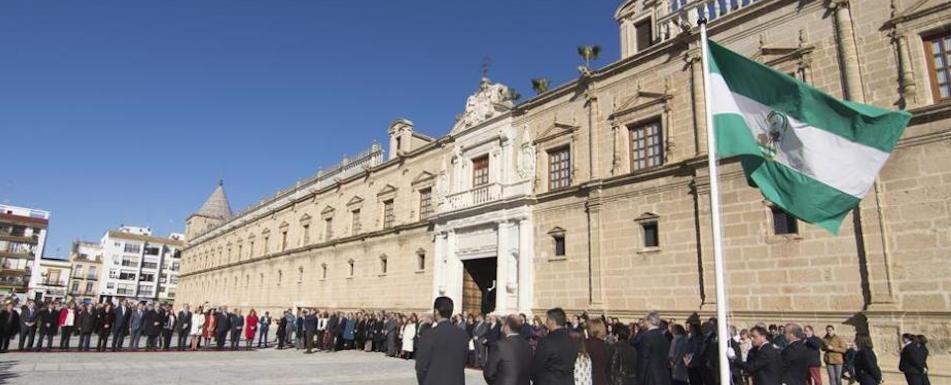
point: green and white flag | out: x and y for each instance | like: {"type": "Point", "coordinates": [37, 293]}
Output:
{"type": "Point", "coordinates": [809, 153]}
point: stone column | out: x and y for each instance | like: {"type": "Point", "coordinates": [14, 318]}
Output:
{"type": "Point", "coordinates": [526, 266]}
{"type": "Point", "coordinates": [868, 220]}
{"type": "Point", "coordinates": [439, 265]}
{"type": "Point", "coordinates": [452, 271]}
{"type": "Point", "coordinates": [848, 52]}
{"type": "Point", "coordinates": [907, 85]}
{"type": "Point", "coordinates": [506, 273]}
{"type": "Point", "coordinates": [595, 268]}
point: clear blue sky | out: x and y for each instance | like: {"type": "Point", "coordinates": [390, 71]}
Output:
{"type": "Point", "coordinates": [128, 112]}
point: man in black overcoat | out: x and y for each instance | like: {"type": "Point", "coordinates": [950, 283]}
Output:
{"type": "Point", "coordinates": [443, 349]}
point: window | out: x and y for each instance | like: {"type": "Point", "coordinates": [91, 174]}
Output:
{"type": "Point", "coordinates": [399, 144]}
{"type": "Point", "coordinates": [283, 240]}
{"type": "Point", "coordinates": [152, 250]}
{"type": "Point", "coordinates": [75, 287]}
{"type": "Point", "coordinates": [305, 239]}
{"type": "Point", "coordinates": [350, 264]}
{"type": "Point", "coordinates": [147, 277]}
{"type": "Point", "coordinates": [420, 261]}
{"type": "Point", "coordinates": [388, 216]}
{"type": "Point", "coordinates": [643, 35]}
{"type": "Point", "coordinates": [132, 248]}
{"type": "Point", "coordinates": [355, 225]}
{"type": "Point", "coordinates": [113, 274]}
{"type": "Point", "coordinates": [646, 146]}
{"type": "Point", "coordinates": [266, 239]}
{"type": "Point", "coordinates": [127, 276]}
{"type": "Point", "coordinates": [783, 223]}
{"type": "Point", "coordinates": [328, 229]}
{"type": "Point", "coordinates": [300, 275]}
{"type": "Point", "coordinates": [480, 171]}
{"type": "Point", "coordinates": [280, 276]}
{"type": "Point", "coordinates": [88, 287]}
{"type": "Point", "coordinates": [250, 248]}
{"type": "Point", "coordinates": [110, 285]}
{"type": "Point", "coordinates": [559, 168]}
{"type": "Point", "coordinates": [323, 271]}
{"type": "Point", "coordinates": [383, 265]}
{"type": "Point", "coordinates": [938, 50]}
{"type": "Point", "coordinates": [240, 246]}
{"type": "Point", "coordinates": [651, 236]}
{"type": "Point", "coordinates": [78, 271]}
{"type": "Point", "coordinates": [425, 203]}
{"type": "Point", "coordinates": [92, 273]}
{"type": "Point", "coordinates": [559, 245]}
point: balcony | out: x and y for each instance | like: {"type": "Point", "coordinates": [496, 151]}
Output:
{"type": "Point", "coordinates": [14, 281]}
{"type": "Point", "coordinates": [474, 197]}
{"type": "Point", "coordinates": [52, 282]}
{"type": "Point", "coordinates": [683, 14]}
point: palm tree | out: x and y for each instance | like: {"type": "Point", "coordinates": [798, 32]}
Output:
{"type": "Point", "coordinates": [540, 85]}
{"type": "Point", "coordinates": [589, 53]}
{"type": "Point", "coordinates": [513, 95]}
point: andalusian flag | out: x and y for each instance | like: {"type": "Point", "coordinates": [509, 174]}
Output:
{"type": "Point", "coordinates": [809, 153]}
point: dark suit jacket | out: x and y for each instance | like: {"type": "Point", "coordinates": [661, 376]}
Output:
{"type": "Point", "coordinates": [911, 360]}
{"type": "Point", "coordinates": [183, 323]}
{"type": "Point", "coordinates": [796, 362]}
{"type": "Point", "coordinates": [866, 368]}
{"type": "Point", "coordinates": [441, 355]}
{"type": "Point", "coordinates": [9, 322]}
{"type": "Point", "coordinates": [510, 363]}
{"type": "Point", "coordinates": [151, 323]}
{"type": "Point", "coordinates": [223, 323]}
{"type": "Point", "coordinates": [554, 362]}
{"type": "Point", "coordinates": [652, 349]}
{"type": "Point", "coordinates": [48, 316]}
{"type": "Point", "coordinates": [765, 365]}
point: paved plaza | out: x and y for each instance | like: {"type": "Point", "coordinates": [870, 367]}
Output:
{"type": "Point", "coordinates": [263, 367]}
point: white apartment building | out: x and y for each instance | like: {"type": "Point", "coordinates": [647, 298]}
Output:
{"type": "Point", "coordinates": [22, 241]}
{"type": "Point", "coordinates": [138, 265]}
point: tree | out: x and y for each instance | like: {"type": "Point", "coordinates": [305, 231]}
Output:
{"type": "Point", "coordinates": [540, 85]}
{"type": "Point", "coordinates": [589, 53]}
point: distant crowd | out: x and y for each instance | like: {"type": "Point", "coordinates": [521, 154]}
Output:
{"type": "Point", "coordinates": [510, 349]}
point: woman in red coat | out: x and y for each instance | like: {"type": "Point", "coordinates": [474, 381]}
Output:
{"type": "Point", "coordinates": [250, 327]}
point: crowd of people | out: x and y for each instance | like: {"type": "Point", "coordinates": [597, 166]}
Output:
{"type": "Point", "coordinates": [160, 325]}
{"type": "Point", "coordinates": [510, 349]}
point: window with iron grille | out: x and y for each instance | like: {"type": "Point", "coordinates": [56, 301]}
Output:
{"type": "Point", "coordinates": [647, 149]}
{"type": "Point", "coordinates": [355, 221]}
{"type": "Point", "coordinates": [388, 215]}
{"type": "Point", "coordinates": [480, 171]}
{"type": "Point", "coordinates": [783, 223]}
{"type": "Point", "coordinates": [938, 57]}
{"type": "Point", "coordinates": [559, 168]}
{"type": "Point", "coordinates": [425, 203]}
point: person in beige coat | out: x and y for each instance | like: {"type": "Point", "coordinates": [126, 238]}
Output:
{"type": "Point", "coordinates": [834, 347]}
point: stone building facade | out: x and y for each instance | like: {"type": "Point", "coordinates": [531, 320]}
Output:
{"type": "Point", "coordinates": [615, 215]}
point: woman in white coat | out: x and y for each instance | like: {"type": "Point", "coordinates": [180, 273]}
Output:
{"type": "Point", "coordinates": [198, 323]}
{"type": "Point", "coordinates": [409, 334]}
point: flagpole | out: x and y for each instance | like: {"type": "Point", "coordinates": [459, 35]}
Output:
{"type": "Point", "coordinates": [718, 265]}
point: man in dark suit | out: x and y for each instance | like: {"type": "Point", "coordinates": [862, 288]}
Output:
{"type": "Point", "coordinates": [49, 321]}
{"type": "Point", "coordinates": [237, 325]}
{"type": "Point", "coordinates": [764, 362]}
{"type": "Point", "coordinates": [222, 327]}
{"type": "Point", "coordinates": [152, 327]}
{"type": "Point", "coordinates": [795, 356]}
{"type": "Point", "coordinates": [442, 351]}
{"type": "Point", "coordinates": [28, 319]}
{"type": "Point", "coordinates": [120, 329]}
{"type": "Point", "coordinates": [183, 326]}
{"type": "Point", "coordinates": [652, 349]}
{"type": "Point", "coordinates": [136, 325]}
{"type": "Point", "coordinates": [510, 360]}
{"type": "Point", "coordinates": [911, 360]}
{"type": "Point", "coordinates": [478, 334]}
{"type": "Point", "coordinates": [310, 327]}
{"type": "Point", "coordinates": [554, 362]}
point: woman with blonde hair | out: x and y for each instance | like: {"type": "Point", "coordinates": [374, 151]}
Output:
{"type": "Point", "coordinates": [198, 328]}
{"type": "Point", "coordinates": [598, 351]}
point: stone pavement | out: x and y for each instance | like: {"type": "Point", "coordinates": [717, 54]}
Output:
{"type": "Point", "coordinates": [264, 367]}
